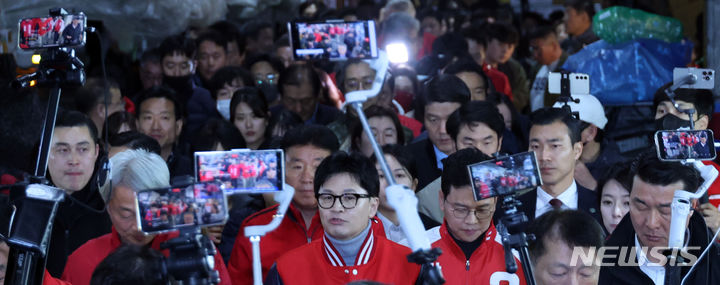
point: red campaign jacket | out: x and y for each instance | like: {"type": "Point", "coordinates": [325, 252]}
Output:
{"type": "Point", "coordinates": [289, 235]}
{"type": "Point", "coordinates": [379, 260]}
{"type": "Point", "coordinates": [82, 262]}
{"type": "Point", "coordinates": [485, 266]}
{"type": "Point", "coordinates": [714, 191]}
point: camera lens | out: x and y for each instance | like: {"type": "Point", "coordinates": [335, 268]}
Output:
{"type": "Point", "coordinates": [707, 78]}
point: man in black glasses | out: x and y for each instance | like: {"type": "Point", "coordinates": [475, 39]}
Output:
{"type": "Point", "coordinates": [353, 246]}
{"type": "Point", "coordinates": [472, 250]}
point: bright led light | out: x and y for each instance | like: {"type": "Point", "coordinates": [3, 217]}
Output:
{"type": "Point", "coordinates": [35, 59]}
{"type": "Point", "coordinates": [397, 53]}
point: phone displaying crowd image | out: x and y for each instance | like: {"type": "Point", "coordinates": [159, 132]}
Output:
{"type": "Point", "coordinates": [678, 145]}
{"type": "Point", "coordinates": [333, 40]}
{"type": "Point", "coordinates": [242, 171]}
{"type": "Point", "coordinates": [57, 31]}
{"type": "Point", "coordinates": [505, 175]}
{"type": "Point", "coordinates": [166, 209]}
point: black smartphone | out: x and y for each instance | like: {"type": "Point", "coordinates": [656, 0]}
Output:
{"type": "Point", "coordinates": [166, 209]}
{"type": "Point", "coordinates": [504, 175]}
{"type": "Point", "coordinates": [57, 31]}
{"type": "Point", "coordinates": [678, 145]}
{"type": "Point", "coordinates": [334, 40]}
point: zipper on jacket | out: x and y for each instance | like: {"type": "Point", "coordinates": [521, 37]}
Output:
{"type": "Point", "coordinates": [467, 265]}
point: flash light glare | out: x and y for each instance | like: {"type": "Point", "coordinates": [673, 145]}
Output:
{"type": "Point", "coordinates": [33, 83]}
{"type": "Point", "coordinates": [35, 58]}
{"type": "Point", "coordinates": [397, 53]}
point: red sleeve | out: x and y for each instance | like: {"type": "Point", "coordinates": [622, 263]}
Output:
{"type": "Point", "coordinates": [49, 280]}
{"type": "Point", "coordinates": [222, 270]}
{"type": "Point", "coordinates": [714, 190]}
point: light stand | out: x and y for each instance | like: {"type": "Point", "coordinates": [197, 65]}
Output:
{"type": "Point", "coordinates": [401, 198]}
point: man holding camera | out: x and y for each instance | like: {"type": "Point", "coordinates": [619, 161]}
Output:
{"type": "Point", "coordinates": [472, 250]}
{"type": "Point", "coordinates": [647, 229]}
{"type": "Point", "coordinates": [133, 170]}
{"type": "Point", "coordinates": [555, 138]}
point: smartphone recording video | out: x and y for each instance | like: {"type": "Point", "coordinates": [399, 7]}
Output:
{"type": "Point", "coordinates": [46, 32]}
{"type": "Point", "coordinates": [505, 175]}
{"type": "Point", "coordinates": [681, 145]}
{"type": "Point", "coordinates": [166, 209]}
{"type": "Point", "coordinates": [242, 171]}
{"type": "Point", "coordinates": [333, 40]}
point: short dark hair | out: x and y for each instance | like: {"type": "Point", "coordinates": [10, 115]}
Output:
{"type": "Point", "coordinates": [360, 168]}
{"type": "Point", "coordinates": [402, 155]}
{"type": "Point", "coordinates": [231, 33]}
{"type": "Point", "coordinates": [272, 60]}
{"type": "Point", "coordinates": [70, 118]}
{"type": "Point", "coordinates": [574, 227]}
{"type": "Point", "coordinates": [135, 140]}
{"type": "Point", "coordinates": [285, 120]}
{"type": "Point", "coordinates": [298, 73]}
{"type": "Point", "coordinates": [450, 45]}
{"type": "Point", "coordinates": [455, 172]}
{"type": "Point", "coordinates": [582, 6]}
{"type": "Point", "coordinates": [701, 98]}
{"type": "Point", "coordinates": [214, 37]}
{"type": "Point", "coordinates": [504, 33]}
{"type": "Point", "coordinates": [114, 123]}
{"type": "Point", "coordinates": [216, 131]}
{"type": "Point", "coordinates": [254, 98]}
{"type": "Point", "coordinates": [475, 33]}
{"type": "Point", "coordinates": [377, 111]}
{"type": "Point", "coordinates": [151, 56]}
{"type": "Point", "coordinates": [469, 65]}
{"type": "Point", "coordinates": [472, 113]}
{"type": "Point", "coordinates": [93, 93]}
{"type": "Point", "coordinates": [315, 135]}
{"type": "Point", "coordinates": [652, 170]}
{"type": "Point", "coordinates": [342, 71]}
{"type": "Point", "coordinates": [547, 116]}
{"type": "Point", "coordinates": [446, 88]}
{"type": "Point", "coordinates": [226, 75]}
{"type": "Point", "coordinates": [177, 44]}
{"type": "Point", "coordinates": [160, 92]}
{"type": "Point", "coordinates": [541, 32]}
{"type": "Point", "coordinates": [620, 172]}
{"type": "Point", "coordinates": [131, 264]}
{"type": "Point", "coordinates": [252, 29]}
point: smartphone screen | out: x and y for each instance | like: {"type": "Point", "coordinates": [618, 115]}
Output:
{"type": "Point", "coordinates": [333, 40]}
{"type": "Point", "coordinates": [242, 171]}
{"type": "Point", "coordinates": [677, 145]}
{"type": "Point", "coordinates": [58, 31]}
{"type": "Point", "coordinates": [505, 175]}
{"type": "Point", "coordinates": [166, 209]}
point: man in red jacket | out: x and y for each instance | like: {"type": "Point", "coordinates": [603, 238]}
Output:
{"type": "Point", "coordinates": [472, 250]}
{"type": "Point", "coordinates": [353, 246]}
{"type": "Point", "coordinates": [305, 147]}
{"type": "Point", "coordinates": [133, 170]}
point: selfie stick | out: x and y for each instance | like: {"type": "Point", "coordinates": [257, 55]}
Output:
{"type": "Point", "coordinates": [254, 233]}
{"type": "Point", "coordinates": [401, 198]}
{"type": "Point", "coordinates": [670, 92]}
{"type": "Point", "coordinates": [680, 207]}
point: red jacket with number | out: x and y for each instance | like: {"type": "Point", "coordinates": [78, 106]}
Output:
{"type": "Point", "coordinates": [485, 266]}
{"type": "Point", "coordinates": [379, 259]}
{"type": "Point", "coordinates": [291, 234]}
{"type": "Point", "coordinates": [82, 261]}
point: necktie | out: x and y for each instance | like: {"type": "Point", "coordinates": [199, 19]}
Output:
{"type": "Point", "coordinates": [556, 203]}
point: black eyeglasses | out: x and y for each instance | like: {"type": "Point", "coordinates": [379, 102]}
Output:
{"type": "Point", "coordinates": [347, 200]}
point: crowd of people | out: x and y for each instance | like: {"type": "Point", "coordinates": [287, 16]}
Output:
{"type": "Point", "coordinates": [474, 89]}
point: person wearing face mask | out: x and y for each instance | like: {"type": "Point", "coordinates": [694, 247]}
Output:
{"type": "Point", "coordinates": [250, 114]}
{"type": "Point", "coordinates": [178, 66]}
{"type": "Point", "coordinates": [224, 83]}
{"type": "Point", "coordinates": [667, 117]}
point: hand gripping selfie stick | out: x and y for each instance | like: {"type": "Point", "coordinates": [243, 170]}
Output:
{"type": "Point", "coordinates": [680, 211]}
{"type": "Point", "coordinates": [254, 233]}
{"type": "Point", "coordinates": [401, 198]}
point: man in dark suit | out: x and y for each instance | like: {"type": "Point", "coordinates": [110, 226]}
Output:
{"type": "Point", "coordinates": [555, 138]}
{"type": "Point", "coordinates": [702, 149]}
{"type": "Point", "coordinates": [300, 89]}
{"type": "Point", "coordinates": [442, 96]}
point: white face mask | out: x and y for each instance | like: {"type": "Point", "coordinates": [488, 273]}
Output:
{"type": "Point", "coordinates": [223, 106]}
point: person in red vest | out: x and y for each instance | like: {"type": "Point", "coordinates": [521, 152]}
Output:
{"type": "Point", "coordinates": [353, 246]}
{"type": "Point", "coordinates": [472, 250]}
{"type": "Point", "coordinates": [133, 170]}
{"type": "Point", "coordinates": [305, 147]}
